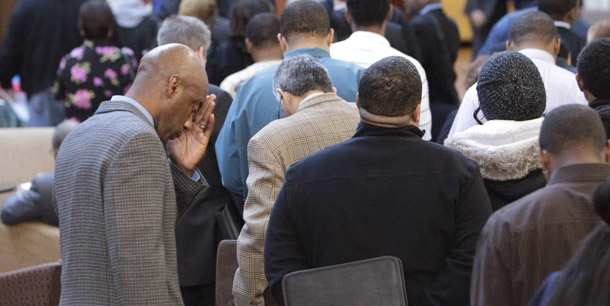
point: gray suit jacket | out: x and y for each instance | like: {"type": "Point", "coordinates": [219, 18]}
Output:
{"type": "Point", "coordinates": [35, 204]}
{"type": "Point", "coordinates": [119, 200]}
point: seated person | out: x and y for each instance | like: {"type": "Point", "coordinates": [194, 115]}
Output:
{"type": "Point", "coordinates": [512, 98]}
{"type": "Point", "coordinates": [97, 70]}
{"type": "Point", "coordinates": [383, 192]}
{"type": "Point", "coordinates": [35, 203]}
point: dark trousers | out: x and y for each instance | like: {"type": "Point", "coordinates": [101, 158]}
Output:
{"type": "Point", "coordinates": [203, 295]}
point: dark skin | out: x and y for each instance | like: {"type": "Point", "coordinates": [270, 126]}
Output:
{"type": "Point", "coordinates": [171, 84]}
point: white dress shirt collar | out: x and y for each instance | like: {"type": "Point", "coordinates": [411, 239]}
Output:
{"type": "Point", "coordinates": [563, 24]}
{"type": "Point", "coordinates": [538, 54]}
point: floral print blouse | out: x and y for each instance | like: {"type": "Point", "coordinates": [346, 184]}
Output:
{"type": "Point", "coordinates": [92, 74]}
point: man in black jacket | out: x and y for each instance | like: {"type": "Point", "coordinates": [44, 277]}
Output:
{"type": "Point", "coordinates": [594, 76]}
{"type": "Point", "coordinates": [565, 14]}
{"type": "Point", "coordinates": [439, 41]}
{"type": "Point", "coordinates": [383, 192]}
{"type": "Point", "coordinates": [39, 34]}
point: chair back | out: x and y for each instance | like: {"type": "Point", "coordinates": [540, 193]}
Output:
{"type": "Point", "coordinates": [226, 265]}
{"type": "Point", "coordinates": [38, 285]}
{"type": "Point", "coordinates": [376, 281]}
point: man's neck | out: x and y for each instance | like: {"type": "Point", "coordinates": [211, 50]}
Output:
{"type": "Point", "coordinates": [267, 54]}
{"type": "Point", "coordinates": [377, 29]}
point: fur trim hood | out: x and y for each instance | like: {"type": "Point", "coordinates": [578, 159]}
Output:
{"type": "Point", "coordinates": [504, 149]}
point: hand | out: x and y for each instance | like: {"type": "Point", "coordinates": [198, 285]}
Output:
{"type": "Point", "coordinates": [189, 149]}
{"type": "Point", "coordinates": [478, 18]}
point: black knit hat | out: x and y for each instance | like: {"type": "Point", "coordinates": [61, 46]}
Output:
{"type": "Point", "coordinates": [510, 88]}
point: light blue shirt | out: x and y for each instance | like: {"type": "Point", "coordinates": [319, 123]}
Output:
{"type": "Point", "coordinates": [134, 103]}
{"type": "Point", "coordinates": [255, 106]}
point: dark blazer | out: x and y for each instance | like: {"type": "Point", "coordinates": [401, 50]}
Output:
{"type": "Point", "coordinates": [439, 41]}
{"type": "Point", "coordinates": [225, 59]}
{"type": "Point", "coordinates": [602, 107]}
{"type": "Point", "coordinates": [383, 192]}
{"type": "Point", "coordinates": [575, 43]}
{"type": "Point", "coordinates": [197, 235]}
{"type": "Point", "coordinates": [35, 204]}
{"type": "Point", "coordinates": [141, 38]}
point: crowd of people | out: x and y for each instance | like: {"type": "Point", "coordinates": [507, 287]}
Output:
{"type": "Point", "coordinates": [330, 134]}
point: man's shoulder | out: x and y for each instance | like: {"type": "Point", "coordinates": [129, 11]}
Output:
{"type": "Point", "coordinates": [331, 63]}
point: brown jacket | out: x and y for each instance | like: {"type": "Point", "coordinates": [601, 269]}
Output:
{"type": "Point", "coordinates": [526, 240]}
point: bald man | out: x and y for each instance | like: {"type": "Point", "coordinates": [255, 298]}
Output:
{"type": "Point", "coordinates": [118, 194]}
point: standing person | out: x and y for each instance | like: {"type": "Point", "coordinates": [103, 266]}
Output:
{"type": "Point", "coordinates": [118, 195]}
{"type": "Point", "coordinates": [528, 239]}
{"type": "Point", "coordinates": [594, 76]}
{"type": "Point", "coordinates": [39, 34]}
{"type": "Point", "coordinates": [197, 233]}
{"type": "Point", "coordinates": [367, 45]}
{"type": "Point", "coordinates": [97, 70]}
{"type": "Point", "coordinates": [136, 25]}
{"type": "Point", "coordinates": [304, 29]}
{"type": "Point", "coordinates": [565, 13]}
{"type": "Point", "coordinates": [439, 41]}
{"type": "Point", "coordinates": [383, 192]}
{"type": "Point", "coordinates": [315, 119]}
{"type": "Point", "coordinates": [483, 14]}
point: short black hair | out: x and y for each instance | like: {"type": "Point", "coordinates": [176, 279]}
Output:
{"type": "Point", "coordinates": [572, 127]}
{"type": "Point", "coordinates": [533, 26]}
{"type": "Point", "coordinates": [95, 18]}
{"type": "Point", "coordinates": [557, 8]}
{"type": "Point", "coordinates": [263, 29]}
{"type": "Point", "coordinates": [368, 12]}
{"type": "Point", "coordinates": [390, 87]}
{"type": "Point", "coordinates": [594, 68]}
{"type": "Point", "coordinates": [304, 17]}
{"type": "Point", "coordinates": [241, 13]}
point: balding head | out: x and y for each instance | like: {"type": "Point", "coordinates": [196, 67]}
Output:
{"type": "Point", "coordinates": [171, 83]}
{"type": "Point", "coordinates": [598, 30]}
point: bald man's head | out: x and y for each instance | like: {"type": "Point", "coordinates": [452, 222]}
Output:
{"type": "Point", "coordinates": [171, 84]}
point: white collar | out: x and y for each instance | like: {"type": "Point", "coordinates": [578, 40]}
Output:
{"type": "Point", "coordinates": [563, 24]}
{"type": "Point", "coordinates": [430, 7]}
{"type": "Point", "coordinates": [538, 54]}
{"type": "Point", "coordinates": [369, 38]}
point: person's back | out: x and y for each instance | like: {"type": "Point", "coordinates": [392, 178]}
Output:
{"type": "Point", "coordinates": [136, 26]}
{"type": "Point", "coordinates": [528, 239]}
{"type": "Point", "coordinates": [383, 192]}
{"type": "Point", "coordinates": [565, 13]}
{"type": "Point", "coordinates": [97, 70]}
{"type": "Point", "coordinates": [305, 29]}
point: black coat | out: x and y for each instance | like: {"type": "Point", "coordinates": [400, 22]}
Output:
{"type": "Point", "coordinates": [439, 41]}
{"type": "Point", "coordinates": [383, 192]}
{"type": "Point", "coordinates": [39, 34]}
{"type": "Point", "coordinates": [574, 42]}
{"type": "Point", "coordinates": [197, 234]}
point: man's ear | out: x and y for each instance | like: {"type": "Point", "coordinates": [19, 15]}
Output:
{"type": "Point", "coordinates": [556, 46]}
{"type": "Point", "coordinates": [545, 161]}
{"type": "Point", "coordinates": [200, 54]}
{"type": "Point", "coordinates": [415, 115]}
{"type": "Point", "coordinates": [330, 36]}
{"type": "Point", "coordinates": [348, 15]}
{"type": "Point", "coordinates": [358, 100]}
{"type": "Point", "coordinates": [174, 84]}
{"type": "Point", "coordinates": [282, 41]}
{"type": "Point", "coordinates": [248, 44]}
{"type": "Point", "coordinates": [509, 46]}
{"type": "Point", "coordinates": [390, 12]}
{"type": "Point", "coordinates": [580, 82]}
{"type": "Point", "coordinates": [607, 151]}
{"type": "Point", "coordinates": [571, 16]}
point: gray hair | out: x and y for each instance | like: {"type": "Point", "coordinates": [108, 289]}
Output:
{"type": "Point", "coordinates": [185, 30]}
{"type": "Point", "coordinates": [300, 74]}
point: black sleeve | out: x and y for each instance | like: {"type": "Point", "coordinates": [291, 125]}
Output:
{"type": "Point", "coordinates": [12, 47]}
{"type": "Point", "coordinates": [283, 252]}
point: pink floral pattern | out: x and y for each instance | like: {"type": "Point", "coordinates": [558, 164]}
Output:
{"type": "Point", "coordinates": [91, 74]}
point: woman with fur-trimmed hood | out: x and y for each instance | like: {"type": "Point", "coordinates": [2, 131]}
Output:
{"type": "Point", "coordinates": [512, 97]}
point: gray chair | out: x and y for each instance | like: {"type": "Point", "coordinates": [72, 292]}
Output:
{"type": "Point", "coordinates": [376, 281]}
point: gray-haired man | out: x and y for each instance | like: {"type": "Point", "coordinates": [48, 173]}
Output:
{"type": "Point", "coordinates": [316, 119]}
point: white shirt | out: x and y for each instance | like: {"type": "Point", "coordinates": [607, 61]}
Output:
{"type": "Point", "coordinates": [560, 86]}
{"type": "Point", "coordinates": [365, 48]}
{"type": "Point", "coordinates": [232, 82]}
